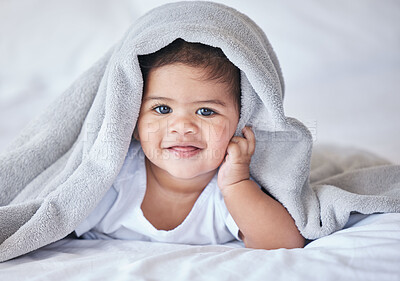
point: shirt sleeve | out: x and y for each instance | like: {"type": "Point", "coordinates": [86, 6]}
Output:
{"type": "Point", "coordinates": [232, 226]}
{"type": "Point", "coordinates": [229, 221]}
{"type": "Point", "coordinates": [224, 216]}
{"type": "Point", "coordinates": [98, 213]}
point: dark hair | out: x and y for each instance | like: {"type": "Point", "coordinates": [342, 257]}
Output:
{"type": "Point", "coordinates": [198, 55]}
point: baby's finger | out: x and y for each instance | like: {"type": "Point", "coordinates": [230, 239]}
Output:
{"type": "Point", "coordinates": [233, 150]}
{"type": "Point", "coordinates": [251, 139]}
{"type": "Point", "coordinates": [242, 143]}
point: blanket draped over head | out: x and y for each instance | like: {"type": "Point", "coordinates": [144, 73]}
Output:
{"type": "Point", "coordinates": [54, 174]}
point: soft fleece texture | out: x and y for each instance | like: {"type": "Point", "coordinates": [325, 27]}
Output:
{"type": "Point", "coordinates": [58, 169]}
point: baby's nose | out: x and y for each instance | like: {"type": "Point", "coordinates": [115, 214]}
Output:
{"type": "Point", "coordinates": [183, 125]}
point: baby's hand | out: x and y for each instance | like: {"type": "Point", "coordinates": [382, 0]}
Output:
{"type": "Point", "coordinates": [235, 167]}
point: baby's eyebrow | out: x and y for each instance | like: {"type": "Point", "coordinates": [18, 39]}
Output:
{"type": "Point", "coordinates": [216, 101]}
{"type": "Point", "coordinates": [157, 98]}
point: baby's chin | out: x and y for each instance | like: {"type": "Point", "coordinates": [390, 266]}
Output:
{"type": "Point", "coordinates": [187, 172]}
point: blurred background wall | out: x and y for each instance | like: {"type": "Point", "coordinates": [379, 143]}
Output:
{"type": "Point", "coordinates": [340, 60]}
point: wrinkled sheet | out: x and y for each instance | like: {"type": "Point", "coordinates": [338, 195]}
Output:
{"type": "Point", "coordinates": [367, 249]}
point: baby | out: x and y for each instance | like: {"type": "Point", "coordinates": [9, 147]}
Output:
{"type": "Point", "coordinates": [186, 176]}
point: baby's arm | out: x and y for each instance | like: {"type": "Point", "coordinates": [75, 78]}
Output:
{"type": "Point", "coordinates": [263, 222]}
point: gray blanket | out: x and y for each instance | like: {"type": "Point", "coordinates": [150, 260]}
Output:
{"type": "Point", "coordinates": [57, 170]}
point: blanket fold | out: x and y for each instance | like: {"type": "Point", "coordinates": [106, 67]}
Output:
{"type": "Point", "coordinates": [57, 170]}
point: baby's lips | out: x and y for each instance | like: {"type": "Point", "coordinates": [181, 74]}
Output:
{"type": "Point", "coordinates": [184, 148]}
{"type": "Point", "coordinates": [191, 145]}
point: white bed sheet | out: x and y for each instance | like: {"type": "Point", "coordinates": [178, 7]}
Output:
{"type": "Point", "coordinates": [367, 250]}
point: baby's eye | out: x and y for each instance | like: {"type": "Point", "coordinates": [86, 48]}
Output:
{"type": "Point", "coordinates": [163, 109]}
{"type": "Point", "coordinates": [205, 111]}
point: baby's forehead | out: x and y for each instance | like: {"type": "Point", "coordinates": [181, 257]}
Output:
{"type": "Point", "coordinates": [191, 82]}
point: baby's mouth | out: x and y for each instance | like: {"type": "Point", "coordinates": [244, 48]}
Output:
{"type": "Point", "coordinates": [184, 148]}
{"type": "Point", "coordinates": [184, 151]}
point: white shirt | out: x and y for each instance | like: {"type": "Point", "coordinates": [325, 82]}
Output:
{"type": "Point", "coordinates": [119, 216]}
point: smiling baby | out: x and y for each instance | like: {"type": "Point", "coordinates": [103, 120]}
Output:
{"type": "Point", "coordinates": [186, 177]}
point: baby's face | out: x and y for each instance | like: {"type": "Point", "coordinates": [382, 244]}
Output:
{"type": "Point", "coordinates": [186, 122]}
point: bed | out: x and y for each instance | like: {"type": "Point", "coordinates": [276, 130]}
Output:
{"type": "Point", "coordinates": [367, 250]}
{"type": "Point", "coordinates": [342, 59]}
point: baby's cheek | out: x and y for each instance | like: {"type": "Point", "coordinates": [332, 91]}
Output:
{"type": "Point", "coordinates": [220, 132]}
{"type": "Point", "coordinates": [149, 130]}
{"type": "Point", "coordinates": [218, 145]}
